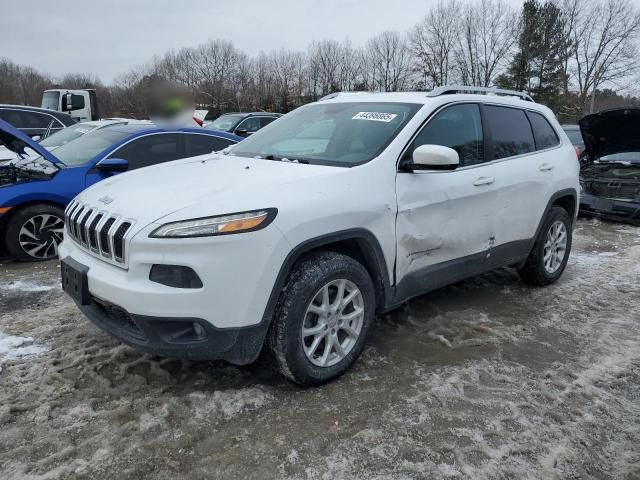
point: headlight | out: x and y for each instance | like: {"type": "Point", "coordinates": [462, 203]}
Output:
{"type": "Point", "coordinates": [219, 225]}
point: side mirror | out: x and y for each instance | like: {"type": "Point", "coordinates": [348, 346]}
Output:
{"type": "Point", "coordinates": [112, 165]}
{"type": "Point", "coordinates": [67, 101]}
{"type": "Point", "coordinates": [242, 132]}
{"type": "Point", "coordinates": [434, 157]}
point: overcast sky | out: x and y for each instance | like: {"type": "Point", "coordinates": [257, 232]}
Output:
{"type": "Point", "coordinates": [107, 37]}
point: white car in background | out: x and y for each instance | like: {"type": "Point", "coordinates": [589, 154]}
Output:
{"type": "Point", "coordinates": [69, 134]}
{"type": "Point", "coordinates": [295, 238]}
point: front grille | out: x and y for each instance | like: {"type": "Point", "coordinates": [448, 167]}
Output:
{"type": "Point", "coordinates": [98, 232]}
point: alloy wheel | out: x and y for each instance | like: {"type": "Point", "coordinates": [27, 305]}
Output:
{"type": "Point", "coordinates": [40, 236]}
{"type": "Point", "coordinates": [555, 247]}
{"type": "Point", "coordinates": [333, 322]}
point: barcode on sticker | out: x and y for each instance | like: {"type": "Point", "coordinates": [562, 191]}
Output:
{"type": "Point", "coordinates": [375, 116]}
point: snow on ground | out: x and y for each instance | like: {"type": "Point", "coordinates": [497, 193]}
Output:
{"type": "Point", "coordinates": [482, 380]}
{"type": "Point", "coordinates": [12, 348]}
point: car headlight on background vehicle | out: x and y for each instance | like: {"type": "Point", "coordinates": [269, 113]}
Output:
{"type": "Point", "coordinates": [218, 225]}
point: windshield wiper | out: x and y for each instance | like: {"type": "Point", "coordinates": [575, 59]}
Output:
{"type": "Point", "coordinates": [284, 159]}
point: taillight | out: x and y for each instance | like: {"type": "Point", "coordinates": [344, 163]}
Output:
{"type": "Point", "coordinates": [577, 151]}
{"type": "Point", "coordinates": [198, 121]}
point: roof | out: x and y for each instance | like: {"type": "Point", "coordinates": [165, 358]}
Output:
{"type": "Point", "coordinates": [426, 98]}
{"type": "Point", "coordinates": [145, 128]}
{"type": "Point", "coordinates": [29, 108]}
{"type": "Point", "coordinates": [250, 114]}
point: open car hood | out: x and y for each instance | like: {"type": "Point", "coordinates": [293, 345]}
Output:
{"type": "Point", "coordinates": [611, 131]}
{"type": "Point", "coordinates": [16, 141]}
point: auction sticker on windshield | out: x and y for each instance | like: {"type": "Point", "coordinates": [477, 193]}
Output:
{"type": "Point", "coordinates": [375, 116]}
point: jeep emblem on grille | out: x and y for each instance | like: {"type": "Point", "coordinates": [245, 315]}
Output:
{"type": "Point", "coordinates": [106, 199]}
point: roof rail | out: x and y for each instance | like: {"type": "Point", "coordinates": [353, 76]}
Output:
{"type": "Point", "coordinates": [450, 89]}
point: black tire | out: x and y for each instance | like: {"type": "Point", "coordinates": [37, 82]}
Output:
{"type": "Point", "coordinates": [43, 233]}
{"type": "Point", "coordinates": [285, 339]}
{"type": "Point", "coordinates": [534, 272]}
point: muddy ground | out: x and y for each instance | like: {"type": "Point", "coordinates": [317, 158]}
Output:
{"type": "Point", "coordinates": [484, 379]}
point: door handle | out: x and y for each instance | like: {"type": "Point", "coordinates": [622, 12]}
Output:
{"type": "Point", "coordinates": [545, 167]}
{"type": "Point", "coordinates": [484, 181]}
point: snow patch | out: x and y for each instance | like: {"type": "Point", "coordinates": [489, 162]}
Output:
{"type": "Point", "coordinates": [230, 402]}
{"type": "Point", "coordinates": [12, 348]}
{"type": "Point", "coordinates": [26, 286]}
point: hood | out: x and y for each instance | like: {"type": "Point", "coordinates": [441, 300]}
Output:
{"type": "Point", "coordinates": [16, 141]}
{"type": "Point", "coordinates": [205, 185]}
{"type": "Point", "coordinates": [611, 131]}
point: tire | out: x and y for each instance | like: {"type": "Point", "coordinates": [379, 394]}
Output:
{"type": "Point", "coordinates": [304, 291]}
{"type": "Point", "coordinates": [540, 270]}
{"type": "Point", "coordinates": [33, 233]}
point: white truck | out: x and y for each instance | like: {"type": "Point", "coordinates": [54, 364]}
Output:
{"type": "Point", "coordinates": [81, 105]}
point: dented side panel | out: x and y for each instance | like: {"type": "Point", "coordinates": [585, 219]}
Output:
{"type": "Point", "coordinates": [442, 216]}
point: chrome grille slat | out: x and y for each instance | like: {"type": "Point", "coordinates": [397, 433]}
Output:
{"type": "Point", "coordinates": [99, 232]}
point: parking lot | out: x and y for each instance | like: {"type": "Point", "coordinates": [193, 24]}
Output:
{"type": "Point", "coordinates": [484, 379]}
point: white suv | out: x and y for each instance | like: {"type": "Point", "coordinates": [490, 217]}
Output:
{"type": "Point", "coordinates": [296, 237]}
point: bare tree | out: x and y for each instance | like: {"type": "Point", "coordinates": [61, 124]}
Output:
{"type": "Point", "coordinates": [488, 32]}
{"type": "Point", "coordinates": [433, 42]}
{"type": "Point", "coordinates": [389, 62]}
{"type": "Point", "coordinates": [605, 46]}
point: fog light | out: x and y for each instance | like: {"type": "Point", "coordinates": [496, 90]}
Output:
{"type": "Point", "coordinates": [176, 276]}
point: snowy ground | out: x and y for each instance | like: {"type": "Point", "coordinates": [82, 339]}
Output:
{"type": "Point", "coordinates": [486, 379]}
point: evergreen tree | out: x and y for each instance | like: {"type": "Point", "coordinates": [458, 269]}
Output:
{"type": "Point", "coordinates": [537, 64]}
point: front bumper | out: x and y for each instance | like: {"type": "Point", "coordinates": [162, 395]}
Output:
{"type": "Point", "coordinates": [238, 273]}
{"type": "Point", "coordinates": [165, 336]}
{"type": "Point", "coordinates": [620, 210]}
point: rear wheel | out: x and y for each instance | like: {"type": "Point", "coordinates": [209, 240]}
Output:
{"type": "Point", "coordinates": [34, 233]}
{"type": "Point", "coordinates": [322, 318]}
{"type": "Point", "coordinates": [550, 253]}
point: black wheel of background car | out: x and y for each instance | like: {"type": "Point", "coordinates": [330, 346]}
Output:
{"type": "Point", "coordinates": [550, 252]}
{"type": "Point", "coordinates": [34, 233]}
{"type": "Point", "coordinates": [322, 318]}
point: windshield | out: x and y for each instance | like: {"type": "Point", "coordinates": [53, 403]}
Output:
{"type": "Point", "coordinates": [66, 135]}
{"type": "Point", "coordinates": [343, 134]}
{"type": "Point", "coordinates": [631, 157]}
{"type": "Point", "coordinates": [50, 100]}
{"type": "Point", "coordinates": [225, 122]}
{"type": "Point", "coordinates": [575, 136]}
{"type": "Point", "coordinates": [88, 146]}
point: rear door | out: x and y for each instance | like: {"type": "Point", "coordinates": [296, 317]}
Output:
{"type": "Point", "coordinates": [444, 226]}
{"type": "Point", "coordinates": [524, 164]}
{"type": "Point", "coordinates": [200, 144]}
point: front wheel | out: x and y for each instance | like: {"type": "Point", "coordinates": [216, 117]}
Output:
{"type": "Point", "coordinates": [322, 318]}
{"type": "Point", "coordinates": [34, 233]}
{"type": "Point", "coordinates": [550, 252]}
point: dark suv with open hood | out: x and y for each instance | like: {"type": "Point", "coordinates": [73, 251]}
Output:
{"type": "Point", "coordinates": [610, 176]}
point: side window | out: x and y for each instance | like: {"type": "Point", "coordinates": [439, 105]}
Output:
{"type": "Point", "coordinates": [151, 150]}
{"type": "Point", "coordinates": [16, 118]}
{"type": "Point", "coordinates": [458, 127]}
{"type": "Point", "coordinates": [251, 124]}
{"type": "Point", "coordinates": [37, 120]}
{"type": "Point", "coordinates": [510, 131]}
{"type": "Point", "coordinates": [264, 121]}
{"type": "Point", "coordinates": [203, 144]}
{"type": "Point", "coordinates": [545, 135]}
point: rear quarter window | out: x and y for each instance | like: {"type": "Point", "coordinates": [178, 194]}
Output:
{"type": "Point", "coordinates": [510, 131]}
{"type": "Point", "coordinates": [545, 135]}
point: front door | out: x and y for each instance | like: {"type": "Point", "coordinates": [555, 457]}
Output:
{"type": "Point", "coordinates": [444, 226]}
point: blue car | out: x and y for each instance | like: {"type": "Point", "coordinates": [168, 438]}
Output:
{"type": "Point", "coordinates": [35, 188]}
